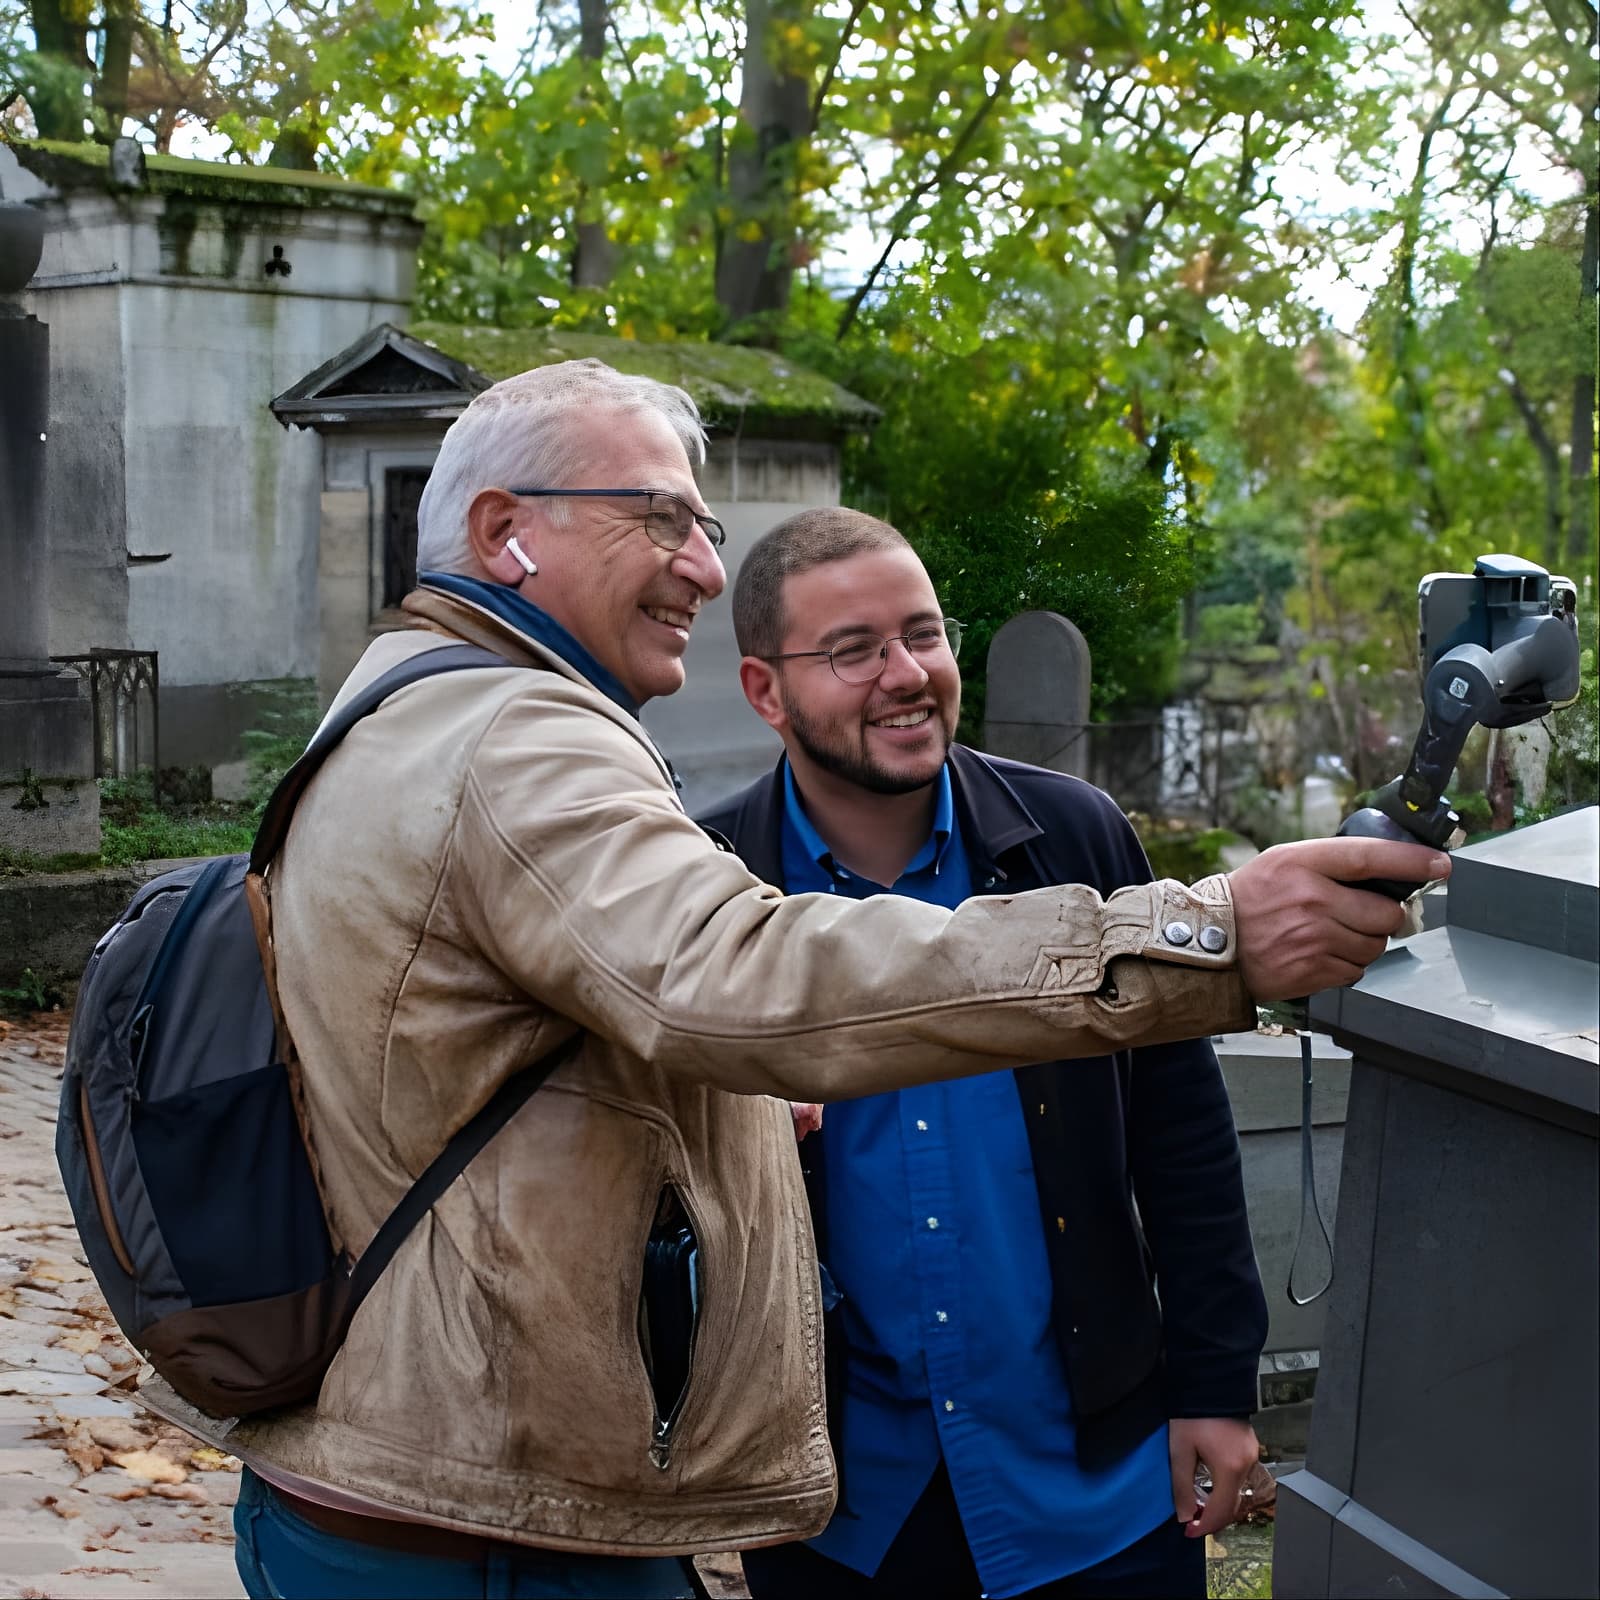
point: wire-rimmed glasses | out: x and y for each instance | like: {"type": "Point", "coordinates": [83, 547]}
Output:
{"type": "Point", "coordinates": [669, 519]}
{"type": "Point", "coordinates": [861, 657]}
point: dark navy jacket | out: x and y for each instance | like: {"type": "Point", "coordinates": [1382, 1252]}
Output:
{"type": "Point", "coordinates": [1150, 1126]}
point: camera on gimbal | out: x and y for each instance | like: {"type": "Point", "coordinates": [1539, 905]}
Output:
{"type": "Point", "coordinates": [1497, 647]}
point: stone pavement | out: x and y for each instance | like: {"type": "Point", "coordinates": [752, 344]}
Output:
{"type": "Point", "coordinates": [96, 1498]}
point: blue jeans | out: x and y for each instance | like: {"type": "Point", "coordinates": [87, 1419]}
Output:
{"type": "Point", "coordinates": [282, 1557]}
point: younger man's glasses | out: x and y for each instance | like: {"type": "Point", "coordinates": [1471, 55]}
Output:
{"type": "Point", "coordinates": [861, 657]}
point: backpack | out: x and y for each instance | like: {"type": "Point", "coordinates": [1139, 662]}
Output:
{"type": "Point", "coordinates": [180, 1137]}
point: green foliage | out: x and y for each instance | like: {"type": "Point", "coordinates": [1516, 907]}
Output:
{"type": "Point", "coordinates": [288, 713]}
{"type": "Point", "coordinates": [1107, 558]}
{"type": "Point", "coordinates": [32, 993]}
{"type": "Point", "coordinates": [1181, 852]}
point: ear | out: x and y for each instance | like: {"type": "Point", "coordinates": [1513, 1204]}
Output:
{"type": "Point", "coordinates": [759, 680]}
{"type": "Point", "coordinates": [493, 517]}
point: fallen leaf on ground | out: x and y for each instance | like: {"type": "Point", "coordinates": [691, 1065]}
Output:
{"type": "Point", "coordinates": [81, 1341]}
{"type": "Point", "coordinates": [209, 1459]}
{"type": "Point", "coordinates": [50, 1503]}
{"type": "Point", "coordinates": [149, 1465]}
{"type": "Point", "coordinates": [115, 1433]}
{"type": "Point", "coordinates": [191, 1492]}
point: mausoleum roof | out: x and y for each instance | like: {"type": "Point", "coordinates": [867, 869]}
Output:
{"type": "Point", "coordinates": [66, 166]}
{"type": "Point", "coordinates": [726, 381]}
{"type": "Point", "coordinates": [430, 371]}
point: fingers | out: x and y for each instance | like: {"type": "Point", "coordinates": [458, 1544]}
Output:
{"type": "Point", "coordinates": [807, 1118]}
{"type": "Point", "coordinates": [1220, 1505]}
{"type": "Point", "coordinates": [1186, 1502]}
{"type": "Point", "coordinates": [1350, 860]}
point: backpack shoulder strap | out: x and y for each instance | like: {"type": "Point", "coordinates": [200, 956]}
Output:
{"type": "Point", "coordinates": [425, 664]}
{"type": "Point", "coordinates": [443, 1171]}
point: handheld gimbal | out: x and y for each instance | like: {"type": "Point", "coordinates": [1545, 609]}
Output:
{"type": "Point", "coordinates": [1498, 647]}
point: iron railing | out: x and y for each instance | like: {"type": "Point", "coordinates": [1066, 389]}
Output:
{"type": "Point", "coordinates": [125, 692]}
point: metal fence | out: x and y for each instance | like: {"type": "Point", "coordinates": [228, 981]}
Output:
{"type": "Point", "coordinates": [125, 693]}
{"type": "Point", "coordinates": [1193, 760]}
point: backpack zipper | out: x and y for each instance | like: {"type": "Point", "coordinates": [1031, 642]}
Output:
{"type": "Point", "coordinates": [97, 1182]}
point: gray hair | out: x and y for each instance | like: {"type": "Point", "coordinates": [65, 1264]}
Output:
{"type": "Point", "coordinates": [797, 544]}
{"type": "Point", "coordinates": [518, 433]}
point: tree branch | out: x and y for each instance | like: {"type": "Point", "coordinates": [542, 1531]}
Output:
{"type": "Point", "coordinates": [907, 213]}
{"type": "Point", "coordinates": [833, 66]}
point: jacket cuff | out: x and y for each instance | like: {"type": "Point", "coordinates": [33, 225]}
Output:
{"type": "Point", "coordinates": [1167, 922]}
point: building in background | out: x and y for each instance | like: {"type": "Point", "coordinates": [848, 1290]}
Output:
{"type": "Point", "coordinates": [241, 423]}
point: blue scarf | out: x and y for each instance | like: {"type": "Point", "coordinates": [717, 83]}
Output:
{"type": "Point", "coordinates": [523, 615]}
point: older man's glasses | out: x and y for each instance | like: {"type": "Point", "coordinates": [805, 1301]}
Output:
{"type": "Point", "coordinates": [862, 657]}
{"type": "Point", "coordinates": [668, 519]}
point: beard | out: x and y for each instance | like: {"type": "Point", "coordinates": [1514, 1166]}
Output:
{"type": "Point", "coordinates": [843, 754]}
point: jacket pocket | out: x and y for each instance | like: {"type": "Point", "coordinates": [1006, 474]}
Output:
{"type": "Point", "coordinates": [669, 1316]}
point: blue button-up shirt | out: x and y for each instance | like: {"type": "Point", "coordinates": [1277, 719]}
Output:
{"type": "Point", "coordinates": [936, 1240]}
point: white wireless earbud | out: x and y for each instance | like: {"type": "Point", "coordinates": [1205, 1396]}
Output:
{"type": "Point", "coordinates": [520, 556]}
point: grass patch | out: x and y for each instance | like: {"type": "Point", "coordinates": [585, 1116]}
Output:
{"type": "Point", "coordinates": [14, 863]}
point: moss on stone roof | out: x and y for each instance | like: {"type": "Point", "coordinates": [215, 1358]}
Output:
{"type": "Point", "coordinates": [726, 381]}
{"type": "Point", "coordinates": [77, 166]}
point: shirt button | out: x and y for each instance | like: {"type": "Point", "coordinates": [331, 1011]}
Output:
{"type": "Point", "coordinates": [922, 1127]}
{"type": "Point", "coordinates": [949, 1405]}
{"type": "Point", "coordinates": [933, 1222]}
{"type": "Point", "coordinates": [941, 1316]}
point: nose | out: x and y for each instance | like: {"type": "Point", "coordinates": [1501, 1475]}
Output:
{"type": "Point", "coordinates": [698, 562]}
{"type": "Point", "coordinates": [901, 669]}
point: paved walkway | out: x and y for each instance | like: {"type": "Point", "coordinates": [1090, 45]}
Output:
{"type": "Point", "coordinates": [96, 1498]}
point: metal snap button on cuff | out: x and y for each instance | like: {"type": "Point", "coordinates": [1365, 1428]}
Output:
{"type": "Point", "coordinates": [1177, 933]}
{"type": "Point", "coordinates": [1214, 939]}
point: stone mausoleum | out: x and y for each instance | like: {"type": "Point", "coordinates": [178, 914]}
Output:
{"type": "Point", "coordinates": [181, 296]}
{"type": "Point", "coordinates": [242, 417]}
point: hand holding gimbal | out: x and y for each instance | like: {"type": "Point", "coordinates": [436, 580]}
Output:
{"type": "Point", "coordinates": [1498, 647]}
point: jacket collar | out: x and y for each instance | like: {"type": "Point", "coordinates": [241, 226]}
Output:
{"type": "Point", "coordinates": [520, 616]}
{"type": "Point", "coordinates": [993, 818]}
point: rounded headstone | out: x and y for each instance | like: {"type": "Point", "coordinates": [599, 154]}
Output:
{"type": "Point", "coordinates": [1037, 705]}
{"type": "Point", "coordinates": [21, 244]}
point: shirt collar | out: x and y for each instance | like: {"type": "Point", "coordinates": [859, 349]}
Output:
{"type": "Point", "coordinates": [518, 612]}
{"type": "Point", "coordinates": [931, 854]}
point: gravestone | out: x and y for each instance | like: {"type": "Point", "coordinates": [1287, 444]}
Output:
{"type": "Point", "coordinates": [1453, 1450]}
{"type": "Point", "coordinates": [1038, 697]}
{"type": "Point", "coordinates": [48, 804]}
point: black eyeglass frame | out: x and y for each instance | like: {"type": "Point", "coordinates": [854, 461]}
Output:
{"type": "Point", "coordinates": [949, 626]}
{"type": "Point", "coordinates": [713, 530]}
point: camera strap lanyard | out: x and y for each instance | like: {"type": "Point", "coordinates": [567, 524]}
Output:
{"type": "Point", "coordinates": [1309, 1207]}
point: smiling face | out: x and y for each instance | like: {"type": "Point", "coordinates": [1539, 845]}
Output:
{"type": "Point", "coordinates": [630, 603]}
{"type": "Point", "coordinates": [889, 737]}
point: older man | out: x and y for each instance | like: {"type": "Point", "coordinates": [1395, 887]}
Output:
{"type": "Point", "coordinates": [1020, 1414]}
{"type": "Point", "coordinates": [601, 1350]}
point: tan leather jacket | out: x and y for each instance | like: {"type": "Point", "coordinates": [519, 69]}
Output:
{"type": "Point", "coordinates": [497, 858]}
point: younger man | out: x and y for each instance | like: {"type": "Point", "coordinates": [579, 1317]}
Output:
{"type": "Point", "coordinates": [1014, 1413]}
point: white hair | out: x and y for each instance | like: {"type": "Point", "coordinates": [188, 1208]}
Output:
{"type": "Point", "coordinates": [517, 434]}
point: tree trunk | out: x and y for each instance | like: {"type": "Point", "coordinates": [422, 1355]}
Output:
{"type": "Point", "coordinates": [116, 62]}
{"type": "Point", "coordinates": [1580, 465]}
{"type": "Point", "coordinates": [757, 269]}
{"type": "Point", "coordinates": [595, 258]}
{"type": "Point", "coordinates": [59, 32]}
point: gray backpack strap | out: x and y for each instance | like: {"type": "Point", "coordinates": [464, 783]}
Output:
{"type": "Point", "coordinates": [425, 664]}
